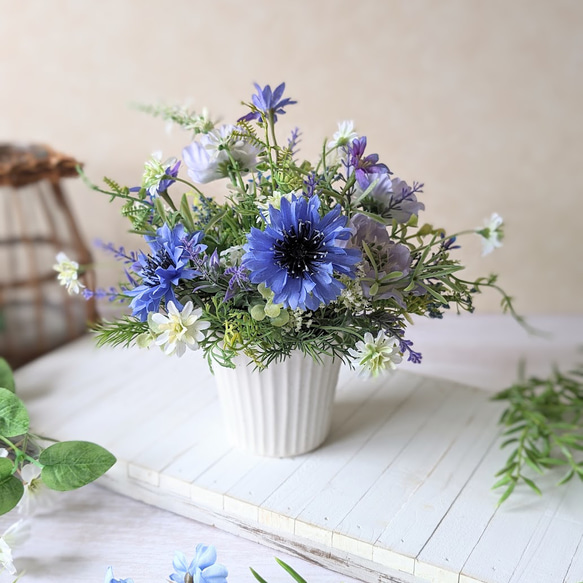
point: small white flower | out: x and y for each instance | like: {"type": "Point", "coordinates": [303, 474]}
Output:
{"type": "Point", "coordinates": [275, 199]}
{"type": "Point", "coordinates": [178, 330]}
{"type": "Point", "coordinates": [6, 557]}
{"type": "Point", "coordinates": [3, 452]}
{"type": "Point", "coordinates": [154, 172]}
{"type": "Point", "coordinates": [14, 536]}
{"type": "Point", "coordinates": [207, 158]}
{"type": "Point", "coordinates": [344, 135]}
{"type": "Point", "coordinates": [492, 233]}
{"type": "Point", "coordinates": [37, 497]}
{"type": "Point", "coordinates": [68, 273]}
{"type": "Point", "coordinates": [374, 355]}
{"type": "Point", "coordinates": [232, 256]}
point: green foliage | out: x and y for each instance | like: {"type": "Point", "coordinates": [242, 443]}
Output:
{"type": "Point", "coordinates": [14, 418]}
{"type": "Point", "coordinates": [72, 464]}
{"type": "Point", "coordinates": [6, 376]}
{"type": "Point", "coordinates": [11, 491]}
{"type": "Point", "coordinates": [11, 488]}
{"type": "Point", "coordinates": [64, 466]}
{"type": "Point", "coordinates": [120, 332]}
{"type": "Point", "coordinates": [294, 574]}
{"type": "Point", "coordinates": [544, 430]}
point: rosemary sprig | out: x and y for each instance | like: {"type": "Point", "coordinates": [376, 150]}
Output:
{"type": "Point", "coordinates": [543, 424]}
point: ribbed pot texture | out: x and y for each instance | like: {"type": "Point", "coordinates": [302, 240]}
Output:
{"type": "Point", "coordinates": [282, 411]}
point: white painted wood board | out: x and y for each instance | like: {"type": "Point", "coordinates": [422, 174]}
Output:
{"type": "Point", "coordinates": [400, 491]}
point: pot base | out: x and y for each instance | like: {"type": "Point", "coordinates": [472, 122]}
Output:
{"type": "Point", "coordinates": [282, 411]}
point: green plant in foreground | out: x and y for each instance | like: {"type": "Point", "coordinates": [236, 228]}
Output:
{"type": "Point", "coordinates": [61, 466]}
{"type": "Point", "coordinates": [296, 576]}
{"type": "Point", "coordinates": [543, 425]}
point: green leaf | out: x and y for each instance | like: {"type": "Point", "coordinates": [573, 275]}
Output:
{"type": "Point", "coordinates": [72, 464]}
{"type": "Point", "coordinates": [502, 482]}
{"type": "Point", "coordinates": [186, 214]}
{"type": "Point", "coordinates": [11, 491]}
{"type": "Point", "coordinates": [566, 477]}
{"type": "Point", "coordinates": [14, 418]}
{"type": "Point", "coordinates": [293, 573]}
{"type": "Point", "coordinates": [6, 376]}
{"type": "Point", "coordinates": [532, 485]}
{"type": "Point", "coordinates": [257, 575]}
{"type": "Point", "coordinates": [507, 493]}
{"type": "Point", "coordinates": [6, 468]}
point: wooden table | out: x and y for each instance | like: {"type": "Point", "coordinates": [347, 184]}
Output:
{"type": "Point", "coordinates": [424, 515]}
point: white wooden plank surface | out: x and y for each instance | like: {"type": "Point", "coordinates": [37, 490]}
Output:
{"type": "Point", "coordinates": [401, 486]}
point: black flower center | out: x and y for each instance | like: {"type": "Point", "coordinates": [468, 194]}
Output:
{"type": "Point", "coordinates": [300, 249]}
{"type": "Point", "coordinates": [160, 259]}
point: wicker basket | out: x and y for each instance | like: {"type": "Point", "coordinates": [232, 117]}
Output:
{"type": "Point", "coordinates": [36, 313]}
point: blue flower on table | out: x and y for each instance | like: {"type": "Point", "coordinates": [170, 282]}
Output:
{"type": "Point", "coordinates": [268, 103]}
{"type": "Point", "coordinates": [109, 578]}
{"type": "Point", "coordinates": [163, 268]}
{"type": "Point", "coordinates": [202, 569]}
{"type": "Point", "coordinates": [299, 253]}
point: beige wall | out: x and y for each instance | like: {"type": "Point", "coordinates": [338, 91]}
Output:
{"type": "Point", "coordinates": [481, 100]}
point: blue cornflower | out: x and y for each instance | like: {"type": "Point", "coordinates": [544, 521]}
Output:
{"type": "Point", "coordinates": [362, 165]}
{"type": "Point", "coordinates": [298, 254]}
{"type": "Point", "coordinates": [268, 103]}
{"type": "Point", "coordinates": [163, 268]}
{"type": "Point", "coordinates": [109, 578]}
{"type": "Point", "coordinates": [202, 569]}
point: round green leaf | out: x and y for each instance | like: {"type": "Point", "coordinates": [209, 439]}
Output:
{"type": "Point", "coordinates": [6, 467]}
{"type": "Point", "coordinates": [6, 376]}
{"type": "Point", "coordinates": [72, 464]}
{"type": "Point", "coordinates": [11, 491]}
{"type": "Point", "coordinates": [14, 418]}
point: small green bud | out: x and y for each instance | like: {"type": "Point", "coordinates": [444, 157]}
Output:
{"type": "Point", "coordinates": [257, 312]}
{"type": "Point", "coordinates": [281, 320]}
{"type": "Point", "coordinates": [272, 310]}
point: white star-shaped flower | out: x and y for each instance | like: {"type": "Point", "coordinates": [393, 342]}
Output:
{"type": "Point", "coordinates": [491, 233]}
{"type": "Point", "coordinates": [68, 273]}
{"type": "Point", "coordinates": [375, 355]}
{"type": "Point", "coordinates": [179, 329]}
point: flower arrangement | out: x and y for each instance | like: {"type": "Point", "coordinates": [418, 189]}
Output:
{"type": "Point", "coordinates": [325, 257]}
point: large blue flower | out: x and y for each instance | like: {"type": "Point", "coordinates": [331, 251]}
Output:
{"type": "Point", "coordinates": [163, 268]}
{"type": "Point", "coordinates": [202, 569]}
{"type": "Point", "coordinates": [298, 254]}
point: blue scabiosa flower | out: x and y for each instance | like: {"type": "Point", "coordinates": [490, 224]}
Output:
{"type": "Point", "coordinates": [299, 252]}
{"type": "Point", "coordinates": [202, 569]}
{"type": "Point", "coordinates": [163, 268]}
{"type": "Point", "coordinates": [268, 103]}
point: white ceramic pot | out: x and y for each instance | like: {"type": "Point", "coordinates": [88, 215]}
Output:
{"type": "Point", "coordinates": [282, 411]}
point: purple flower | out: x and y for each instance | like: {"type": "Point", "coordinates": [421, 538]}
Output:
{"type": "Point", "coordinates": [384, 261]}
{"type": "Point", "coordinates": [239, 278]}
{"type": "Point", "coordinates": [392, 198]}
{"type": "Point", "coordinates": [297, 255]}
{"type": "Point", "coordinates": [405, 346]}
{"type": "Point", "coordinates": [268, 103]}
{"type": "Point", "coordinates": [363, 166]}
{"type": "Point", "coordinates": [162, 269]}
